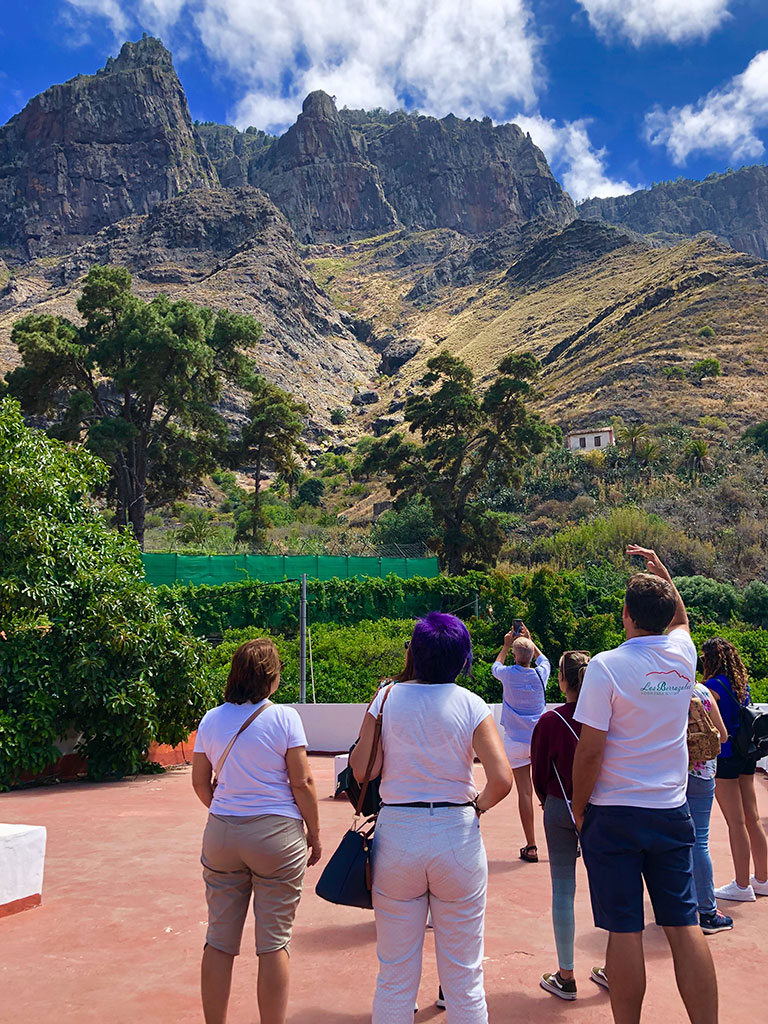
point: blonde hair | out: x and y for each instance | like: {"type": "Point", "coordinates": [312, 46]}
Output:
{"type": "Point", "coordinates": [525, 648]}
{"type": "Point", "coordinates": [572, 666]}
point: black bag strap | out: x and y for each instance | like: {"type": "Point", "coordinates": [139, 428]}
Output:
{"type": "Point", "coordinates": [541, 680]}
{"type": "Point", "coordinates": [374, 751]}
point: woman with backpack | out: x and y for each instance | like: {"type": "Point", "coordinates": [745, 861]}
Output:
{"type": "Point", "coordinates": [726, 678]}
{"type": "Point", "coordinates": [553, 746]}
{"type": "Point", "coordinates": [703, 718]}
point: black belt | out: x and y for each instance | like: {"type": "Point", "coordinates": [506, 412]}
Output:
{"type": "Point", "coordinates": [434, 803]}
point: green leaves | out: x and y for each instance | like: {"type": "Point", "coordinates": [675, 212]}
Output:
{"type": "Point", "coordinates": [464, 438]}
{"type": "Point", "coordinates": [90, 651]}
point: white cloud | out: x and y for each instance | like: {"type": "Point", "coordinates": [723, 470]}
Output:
{"type": "Point", "coordinates": [641, 21]}
{"type": "Point", "coordinates": [466, 57]}
{"type": "Point", "coordinates": [110, 10]}
{"type": "Point", "coordinates": [726, 119]}
{"type": "Point", "coordinates": [571, 154]}
{"type": "Point", "coordinates": [470, 57]}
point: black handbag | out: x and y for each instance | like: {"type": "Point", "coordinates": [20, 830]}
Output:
{"type": "Point", "coordinates": [347, 784]}
{"type": "Point", "coordinates": [346, 878]}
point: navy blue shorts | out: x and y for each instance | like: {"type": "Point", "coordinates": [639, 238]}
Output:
{"type": "Point", "coordinates": [624, 845]}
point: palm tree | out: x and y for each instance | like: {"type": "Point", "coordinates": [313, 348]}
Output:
{"type": "Point", "coordinates": [696, 457]}
{"type": "Point", "coordinates": [632, 434]}
{"type": "Point", "coordinates": [648, 453]}
{"type": "Point", "coordinates": [198, 527]}
{"type": "Point", "coordinates": [291, 472]}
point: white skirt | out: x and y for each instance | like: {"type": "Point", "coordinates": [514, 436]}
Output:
{"type": "Point", "coordinates": [518, 754]}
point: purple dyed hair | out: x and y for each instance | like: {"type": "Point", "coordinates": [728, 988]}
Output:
{"type": "Point", "coordinates": [441, 648]}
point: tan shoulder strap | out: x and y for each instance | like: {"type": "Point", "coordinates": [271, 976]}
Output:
{"type": "Point", "coordinates": [243, 727]}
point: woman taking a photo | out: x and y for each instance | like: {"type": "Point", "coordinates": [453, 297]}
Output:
{"type": "Point", "coordinates": [428, 853]}
{"type": "Point", "coordinates": [254, 843]}
{"type": "Point", "coordinates": [553, 746]}
{"type": "Point", "coordinates": [726, 678]}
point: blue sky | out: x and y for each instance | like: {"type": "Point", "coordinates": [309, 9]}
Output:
{"type": "Point", "coordinates": [618, 93]}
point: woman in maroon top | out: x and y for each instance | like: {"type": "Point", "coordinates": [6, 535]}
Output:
{"type": "Point", "coordinates": [553, 746]}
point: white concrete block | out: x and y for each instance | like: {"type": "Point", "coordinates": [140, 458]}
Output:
{"type": "Point", "coordinates": [340, 762]}
{"type": "Point", "coordinates": [22, 860]}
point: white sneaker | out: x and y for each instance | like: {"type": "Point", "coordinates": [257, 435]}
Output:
{"type": "Point", "coordinates": [733, 891]}
{"type": "Point", "coordinates": [760, 888]}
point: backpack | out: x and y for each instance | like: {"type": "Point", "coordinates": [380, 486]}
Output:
{"type": "Point", "coordinates": [750, 738]}
{"type": "Point", "coordinates": [703, 737]}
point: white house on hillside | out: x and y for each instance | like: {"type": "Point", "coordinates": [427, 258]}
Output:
{"type": "Point", "coordinates": [588, 440]}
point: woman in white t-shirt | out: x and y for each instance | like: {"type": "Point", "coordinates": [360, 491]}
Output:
{"type": "Point", "coordinates": [254, 843]}
{"type": "Point", "coordinates": [428, 854]}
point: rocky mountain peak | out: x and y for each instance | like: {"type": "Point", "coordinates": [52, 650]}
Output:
{"type": "Point", "coordinates": [143, 53]}
{"type": "Point", "coordinates": [320, 105]}
{"type": "Point", "coordinates": [96, 149]}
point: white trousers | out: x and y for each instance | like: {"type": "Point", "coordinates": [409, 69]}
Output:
{"type": "Point", "coordinates": [429, 859]}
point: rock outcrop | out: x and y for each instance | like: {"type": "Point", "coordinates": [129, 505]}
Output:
{"type": "Point", "coordinates": [227, 249]}
{"type": "Point", "coordinates": [98, 148]}
{"type": "Point", "coordinates": [340, 174]}
{"type": "Point", "coordinates": [733, 206]}
{"type": "Point", "coordinates": [319, 175]}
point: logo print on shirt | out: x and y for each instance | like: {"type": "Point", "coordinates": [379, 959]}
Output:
{"type": "Point", "coordinates": [663, 686]}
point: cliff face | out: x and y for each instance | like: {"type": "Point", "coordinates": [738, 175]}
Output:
{"type": "Point", "coordinates": [734, 206]}
{"type": "Point", "coordinates": [98, 148]}
{"type": "Point", "coordinates": [340, 174]}
{"type": "Point", "coordinates": [319, 175]}
{"type": "Point", "coordinates": [466, 175]}
{"type": "Point", "coordinates": [227, 249]}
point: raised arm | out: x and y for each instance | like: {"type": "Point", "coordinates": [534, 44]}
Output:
{"type": "Point", "coordinates": [655, 566]}
{"type": "Point", "coordinates": [498, 774]}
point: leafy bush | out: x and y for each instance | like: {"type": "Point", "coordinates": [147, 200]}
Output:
{"type": "Point", "coordinates": [339, 416]}
{"type": "Point", "coordinates": [89, 647]}
{"type": "Point", "coordinates": [707, 600]}
{"type": "Point", "coordinates": [411, 524]}
{"type": "Point", "coordinates": [706, 332]}
{"type": "Point", "coordinates": [704, 368]}
{"type": "Point", "coordinates": [311, 491]}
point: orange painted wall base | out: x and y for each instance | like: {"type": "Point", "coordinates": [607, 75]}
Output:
{"type": "Point", "coordinates": [16, 906]}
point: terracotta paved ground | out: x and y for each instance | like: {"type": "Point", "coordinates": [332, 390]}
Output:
{"type": "Point", "coordinates": [119, 934]}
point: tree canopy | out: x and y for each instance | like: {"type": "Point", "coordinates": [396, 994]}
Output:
{"type": "Point", "coordinates": [464, 437]}
{"type": "Point", "coordinates": [137, 381]}
{"type": "Point", "coordinates": [89, 650]}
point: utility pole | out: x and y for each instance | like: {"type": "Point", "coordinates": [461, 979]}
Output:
{"type": "Point", "coordinates": [477, 605]}
{"type": "Point", "coordinates": [303, 641]}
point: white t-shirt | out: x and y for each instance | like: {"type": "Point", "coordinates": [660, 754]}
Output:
{"type": "Point", "coordinates": [639, 694]}
{"type": "Point", "coordinates": [427, 734]}
{"type": "Point", "coordinates": [254, 779]}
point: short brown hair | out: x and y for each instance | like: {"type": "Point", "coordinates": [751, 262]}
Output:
{"type": "Point", "coordinates": [650, 601]}
{"type": "Point", "coordinates": [253, 672]}
{"type": "Point", "coordinates": [573, 665]}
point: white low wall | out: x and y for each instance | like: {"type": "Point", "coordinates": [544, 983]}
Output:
{"type": "Point", "coordinates": [333, 728]}
{"type": "Point", "coordinates": [22, 859]}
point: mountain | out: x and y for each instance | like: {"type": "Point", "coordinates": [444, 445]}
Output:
{"type": "Point", "coordinates": [343, 174]}
{"type": "Point", "coordinates": [733, 206]}
{"type": "Point", "coordinates": [225, 249]}
{"type": "Point", "coordinates": [615, 319]}
{"type": "Point", "coordinates": [98, 148]}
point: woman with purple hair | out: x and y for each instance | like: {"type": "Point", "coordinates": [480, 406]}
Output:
{"type": "Point", "coordinates": [428, 853]}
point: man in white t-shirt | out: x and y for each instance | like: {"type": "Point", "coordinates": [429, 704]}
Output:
{"type": "Point", "coordinates": [629, 795]}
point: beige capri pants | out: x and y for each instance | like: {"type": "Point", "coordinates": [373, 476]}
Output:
{"type": "Point", "coordinates": [264, 856]}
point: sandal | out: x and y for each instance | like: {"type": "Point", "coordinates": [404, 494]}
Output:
{"type": "Point", "coordinates": [530, 853]}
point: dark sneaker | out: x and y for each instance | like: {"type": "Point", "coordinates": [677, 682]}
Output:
{"type": "Point", "coordinates": [597, 974]}
{"type": "Point", "coordinates": [717, 922]}
{"type": "Point", "coordinates": [554, 983]}
{"type": "Point", "coordinates": [440, 1004]}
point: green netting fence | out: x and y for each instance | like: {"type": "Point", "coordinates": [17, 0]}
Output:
{"type": "Point", "coordinates": [167, 569]}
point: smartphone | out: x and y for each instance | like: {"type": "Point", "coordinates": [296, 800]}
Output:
{"type": "Point", "coordinates": [517, 626]}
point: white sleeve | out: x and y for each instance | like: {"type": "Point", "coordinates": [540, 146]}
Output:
{"type": "Point", "coordinates": [479, 710]}
{"type": "Point", "coordinates": [294, 729]}
{"type": "Point", "coordinates": [375, 707]}
{"type": "Point", "coordinates": [542, 662]}
{"type": "Point", "coordinates": [595, 697]}
{"type": "Point", "coordinates": [200, 737]}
